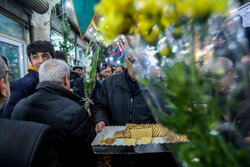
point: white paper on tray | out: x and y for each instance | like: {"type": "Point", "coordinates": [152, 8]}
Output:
{"type": "Point", "coordinates": [108, 132]}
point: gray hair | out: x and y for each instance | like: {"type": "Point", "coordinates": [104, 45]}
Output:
{"type": "Point", "coordinates": [2, 69]}
{"type": "Point", "coordinates": [53, 71]}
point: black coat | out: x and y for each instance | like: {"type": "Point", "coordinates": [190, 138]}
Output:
{"type": "Point", "coordinates": [74, 75]}
{"type": "Point", "coordinates": [20, 89]}
{"type": "Point", "coordinates": [117, 106]}
{"type": "Point", "coordinates": [54, 105]}
{"type": "Point", "coordinates": [26, 144]}
{"type": "Point", "coordinates": [77, 85]}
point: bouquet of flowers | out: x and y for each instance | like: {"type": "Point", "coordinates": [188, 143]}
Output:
{"type": "Point", "coordinates": [90, 65]}
{"type": "Point", "coordinates": [185, 71]}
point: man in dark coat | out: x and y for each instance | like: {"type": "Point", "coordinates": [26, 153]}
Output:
{"type": "Point", "coordinates": [38, 52]}
{"type": "Point", "coordinates": [78, 69]}
{"type": "Point", "coordinates": [54, 104]}
{"type": "Point", "coordinates": [23, 144]}
{"type": "Point", "coordinates": [76, 73]}
{"type": "Point", "coordinates": [120, 102]}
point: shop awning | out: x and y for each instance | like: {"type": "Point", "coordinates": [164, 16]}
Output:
{"type": "Point", "coordinates": [39, 6]}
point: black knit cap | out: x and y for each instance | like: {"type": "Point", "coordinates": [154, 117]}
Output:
{"type": "Point", "coordinates": [76, 67]}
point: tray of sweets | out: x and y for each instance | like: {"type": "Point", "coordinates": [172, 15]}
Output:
{"type": "Point", "coordinates": [135, 139]}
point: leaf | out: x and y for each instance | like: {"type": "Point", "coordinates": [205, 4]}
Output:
{"type": "Point", "coordinates": [89, 86]}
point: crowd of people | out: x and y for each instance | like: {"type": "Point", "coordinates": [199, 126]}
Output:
{"type": "Point", "coordinates": [232, 57]}
{"type": "Point", "coordinates": [44, 121]}
{"type": "Point", "coordinates": [45, 108]}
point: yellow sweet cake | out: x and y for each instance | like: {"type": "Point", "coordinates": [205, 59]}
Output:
{"type": "Point", "coordinates": [139, 133]}
{"type": "Point", "coordinates": [129, 142]}
{"type": "Point", "coordinates": [145, 140]}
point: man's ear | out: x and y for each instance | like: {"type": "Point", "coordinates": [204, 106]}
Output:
{"type": "Point", "coordinates": [67, 81]}
{"type": "Point", "coordinates": [3, 91]}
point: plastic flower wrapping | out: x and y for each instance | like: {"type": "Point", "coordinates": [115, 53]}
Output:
{"type": "Point", "coordinates": [192, 62]}
{"type": "Point", "coordinates": [90, 65]}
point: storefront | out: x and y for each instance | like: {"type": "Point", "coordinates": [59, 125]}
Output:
{"type": "Point", "coordinates": [19, 26]}
{"type": "Point", "coordinates": [12, 46]}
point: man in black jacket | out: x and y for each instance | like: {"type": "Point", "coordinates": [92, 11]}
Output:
{"type": "Point", "coordinates": [54, 104]}
{"type": "Point", "coordinates": [23, 144]}
{"type": "Point", "coordinates": [121, 101]}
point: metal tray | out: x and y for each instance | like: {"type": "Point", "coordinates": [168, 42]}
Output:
{"type": "Point", "coordinates": [118, 148]}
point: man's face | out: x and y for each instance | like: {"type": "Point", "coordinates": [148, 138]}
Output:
{"type": "Point", "coordinates": [220, 42]}
{"type": "Point", "coordinates": [4, 89]}
{"type": "Point", "coordinates": [38, 58]}
{"type": "Point", "coordinates": [118, 70]}
{"type": "Point", "coordinates": [78, 70]}
{"type": "Point", "coordinates": [108, 72]}
{"type": "Point", "coordinates": [131, 71]}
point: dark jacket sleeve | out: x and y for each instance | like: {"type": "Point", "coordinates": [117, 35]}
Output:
{"type": "Point", "coordinates": [81, 127]}
{"type": "Point", "coordinates": [78, 87]}
{"type": "Point", "coordinates": [16, 95]}
{"type": "Point", "coordinates": [82, 133]}
{"type": "Point", "coordinates": [19, 90]}
{"type": "Point", "coordinates": [101, 107]}
{"type": "Point", "coordinates": [35, 145]}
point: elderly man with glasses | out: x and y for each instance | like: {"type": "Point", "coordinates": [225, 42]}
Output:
{"type": "Point", "coordinates": [121, 101]}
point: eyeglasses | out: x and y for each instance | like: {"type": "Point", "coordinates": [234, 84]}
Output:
{"type": "Point", "coordinates": [132, 61]}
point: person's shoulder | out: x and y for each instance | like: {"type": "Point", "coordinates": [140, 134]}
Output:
{"type": "Point", "coordinates": [114, 78]}
{"type": "Point", "coordinates": [27, 126]}
{"type": "Point", "coordinates": [68, 104]}
{"type": "Point", "coordinates": [24, 82]}
{"type": "Point", "coordinates": [71, 110]}
{"type": "Point", "coordinates": [21, 109]}
{"type": "Point", "coordinates": [24, 102]}
{"type": "Point", "coordinates": [20, 83]}
{"type": "Point", "coordinates": [79, 80]}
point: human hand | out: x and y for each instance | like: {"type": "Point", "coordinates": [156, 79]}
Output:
{"type": "Point", "coordinates": [247, 140]}
{"type": "Point", "coordinates": [89, 112]}
{"type": "Point", "coordinates": [99, 126]}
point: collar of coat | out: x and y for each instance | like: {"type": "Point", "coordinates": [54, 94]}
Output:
{"type": "Point", "coordinates": [58, 90]}
{"type": "Point", "coordinates": [34, 73]}
{"type": "Point", "coordinates": [31, 68]}
{"type": "Point", "coordinates": [122, 80]}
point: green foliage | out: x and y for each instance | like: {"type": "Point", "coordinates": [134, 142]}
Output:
{"type": "Point", "coordinates": [68, 43]}
{"type": "Point", "coordinates": [89, 84]}
{"type": "Point", "coordinates": [90, 66]}
{"type": "Point", "coordinates": [101, 59]}
{"type": "Point", "coordinates": [195, 114]}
